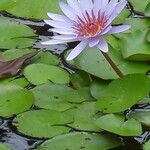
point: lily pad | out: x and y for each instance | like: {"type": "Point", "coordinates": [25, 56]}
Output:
{"type": "Point", "coordinates": [35, 9]}
{"type": "Point", "coordinates": [93, 57]}
{"type": "Point", "coordinates": [98, 88]}
{"type": "Point", "coordinates": [42, 73]}
{"type": "Point", "coordinates": [46, 123]}
{"type": "Point", "coordinates": [116, 124]}
{"type": "Point", "coordinates": [146, 146]}
{"type": "Point", "coordinates": [139, 5]}
{"type": "Point", "coordinates": [85, 116]}
{"type": "Point", "coordinates": [81, 140]}
{"type": "Point", "coordinates": [56, 97]}
{"type": "Point", "coordinates": [46, 58]}
{"type": "Point", "coordinates": [15, 35]}
{"type": "Point", "coordinates": [140, 50]}
{"type": "Point", "coordinates": [14, 99]}
{"type": "Point", "coordinates": [148, 36]}
{"type": "Point", "coordinates": [123, 93]}
{"type": "Point", "coordinates": [4, 147]}
{"type": "Point", "coordinates": [141, 116]}
{"type": "Point", "coordinates": [147, 10]}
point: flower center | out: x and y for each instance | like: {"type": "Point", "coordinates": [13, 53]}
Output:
{"type": "Point", "coordinates": [91, 25]}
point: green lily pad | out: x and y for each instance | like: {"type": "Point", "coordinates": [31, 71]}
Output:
{"type": "Point", "coordinates": [85, 116]}
{"type": "Point", "coordinates": [139, 5]}
{"type": "Point", "coordinates": [98, 88]}
{"type": "Point", "coordinates": [4, 147]}
{"type": "Point", "coordinates": [81, 140]}
{"type": "Point", "coordinates": [15, 35]}
{"type": "Point", "coordinates": [80, 79]}
{"type": "Point", "coordinates": [148, 36]}
{"type": "Point", "coordinates": [46, 58]}
{"type": "Point", "coordinates": [56, 97]}
{"type": "Point", "coordinates": [35, 9]}
{"type": "Point", "coordinates": [17, 81]}
{"type": "Point", "coordinates": [116, 124]}
{"type": "Point", "coordinates": [140, 50]}
{"type": "Point", "coordinates": [146, 146]}
{"type": "Point", "coordinates": [14, 99]}
{"type": "Point", "coordinates": [141, 116]}
{"type": "Point", "coordinates": [45, 123]}
{"type": "Point", "coordinates": [124, 93]}
{"type": "Point", "coordinates": [12, 54]}
{"type": "Point", "coordinates": [147, 10]}
{"type": "Point", "coordinates": [93, 57]}
{"type": "Point", "coordinates": [42, 73]}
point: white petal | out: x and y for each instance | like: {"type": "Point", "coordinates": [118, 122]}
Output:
{"type": "Point", "coordinates": [106, 30]}
{"type": "Point", "coordinates": [102, 45]}
{"type": "Point", "coordinates": [93, 42]}
{"type": "Point", "coordinates": [75, 5]}
{"type": "Point", "coordinates": [118, 29]}
{"type": "Point", "coordinates": [68, 11]}
{"type": "Point", "coordinates": [77, 50]}
{"type": "Point", "coordinates": [59, 24]}
{"type": "Point", "coordinates": [86, 5]}
{"type": "Point", "coordinates": [58, 17]}
{"type": "Point", "coordinates": [62, 31]}
{"type": "Point", "coordinates": [64, 37]}
{"type": "Point", "coordinates": [53, 42]}
{"type": "Point", "coordinates": [117, 10]}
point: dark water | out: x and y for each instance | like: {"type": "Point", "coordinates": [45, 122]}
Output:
{"type": "Point", "coordinates": [17, 141]}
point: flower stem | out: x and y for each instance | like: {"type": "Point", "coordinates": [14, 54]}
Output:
{"type": "Point", "coordinates": [113, 65]}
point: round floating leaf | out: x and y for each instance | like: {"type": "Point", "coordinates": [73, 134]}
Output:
{"type": "Point", "coordinates": [116, 124]}
{"type": "Point", "coordinates": [15, 53]}
{"type": "Point", "coordinates": [124, 93]}
{"type": "Point", "coordinates": [81, 140]}
{"type": "Point", "coordinates": [43, 123]}
{"type": "Point", "coordinates": [42, 73]}
{"type": "Point", "coordinates": [147, 10]}
{"type": "Point", "coordinates": [98, 88]}
{"type": "Point", "coordinates": [139, 5]}
{"type": "Point", "coordinates": [56, 97]}
{"type": "Point", "coordinates": [140, 50]}
{"type": "Point", "coordinates": [35, 9]}
{"type": "Point", "coordinates": [146, 146]}
{"type": "Point", "coordinates": [85, 116]}
{"type": "Point", "coordinates": [17, 81]}
{"type": "Point", "coordinates": [148, 36]}
{"type": "Point", "coordinates": [14, 99]}
{"type": "Point", "coordinates": [14, 34]}
{"type": "Point", "coordinates": [141, 116]}
{"type": "Point", "coordinates": [46, 58]}
{"type": "Point", "coordinates": [93, 57]}
{"type": "Point", "coordinates": [4, 147]}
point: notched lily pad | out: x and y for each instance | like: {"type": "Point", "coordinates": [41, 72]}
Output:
{"type": "Point", "coordinates": [15, 35]}
{"type": "Point", "coordinates": [81, 140]}
{"type": "Point", "coordinates": [43, 73]}
{"type": "Point", "coordinates": [43, 123]}
{"type": "Point", "coordinates": [123, 93]}
{"type": "Point", "coordinates": [14, 99]}
{"type": "Point", "coordinates": [117, 124]}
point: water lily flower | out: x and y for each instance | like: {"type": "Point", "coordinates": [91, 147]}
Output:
{"type": "Point", "coordinates": [86, 21]}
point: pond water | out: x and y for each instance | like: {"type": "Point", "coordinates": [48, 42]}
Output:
{"type": "Point", "coordinates": [18, 141]}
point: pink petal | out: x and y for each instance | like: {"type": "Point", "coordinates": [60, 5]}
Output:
{"type": "Point", "coordinates": [103, 46]}
{"type": "Point", "coordinates": [93, 42]}
{"type": "Point", "coordinates": [68, 11]}
{"type": "Point", "coordinates": [77, 50]}
{"type": "Point", "coordinates": [118, 29]}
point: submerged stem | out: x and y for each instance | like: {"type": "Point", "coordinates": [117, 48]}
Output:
{"type": "Point", "coordinates": [113, 65]}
